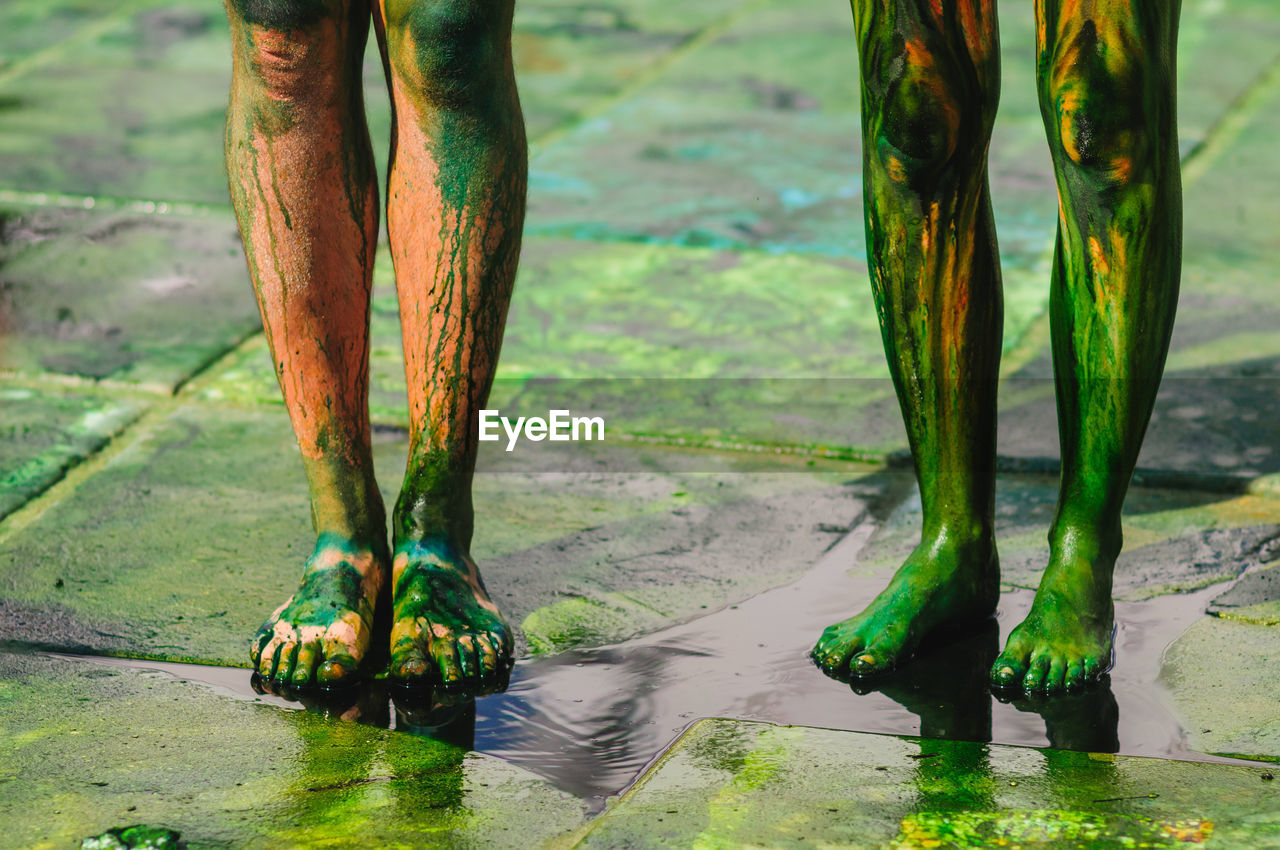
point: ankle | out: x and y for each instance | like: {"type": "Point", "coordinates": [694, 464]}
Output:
{"type": "Point", "coordinates": [969, 534]}
{"type": "Point", "coordinates": [440, 512]}
{"type": "Point", "coordinates": [346, 503]}
{"type": "Point", "coordinates": [1092, 542]}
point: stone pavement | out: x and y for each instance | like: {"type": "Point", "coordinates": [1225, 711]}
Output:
{"type": "Point", "coordinates": [694, 272]}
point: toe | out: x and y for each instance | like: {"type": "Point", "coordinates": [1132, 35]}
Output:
{"type": "Point", "coordinates": [503, 643]}
{"type": "Point", "coordinates": [1092, 668]}
{"type": "Point", "coordinates": [467, 661]}
{"type": "Point", "coordinates": [1010, 668]}
{"type": "Point", "coordinates": [285, 660]}
{"type": "Point", "coordinates": [336, 670]}
{"type": "Point", "coordinates": [446, 655]}
{"type": "Point", "coordinates": [834, 649]}
{"type": "Point", "coordinates": [304, 667]}
{"type": "Point", "coordinates": [1053, 681]}
{"type": "Point", "coordinates": [487, 653]}
{"type": "Point", "coordinates": [1036, 672]}
{"type": "Point", "coordinates": [1074, 677]}
{"type": "Point", "coordinates": [260, 641]}
{"type": "Point", "coordinates": [868, 663]}
{"type": "Point", "coordinates": [267, 658]}
{"type": "Point", "coordinates": [410, 666]}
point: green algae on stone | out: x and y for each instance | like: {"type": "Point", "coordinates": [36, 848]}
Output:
{"type": "Point", "coordinates": [736, 783]}
{"type": "Point", "coordinates": [586, 620]}
{"type": "Point", "coordinates": [91, 747]}
{"type": "Point", "coordinates": [44, 434]}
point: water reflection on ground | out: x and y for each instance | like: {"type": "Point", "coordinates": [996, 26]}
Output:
{"type": "Point", "coordinates": [590, 720]}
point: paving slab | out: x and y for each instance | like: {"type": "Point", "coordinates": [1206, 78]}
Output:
{"type": "Point", "coordinates": [92, 748]}
{"type": "Point", "coordinates": [688, 343]}
{"type": "Point", "coordinates": [142, 299]}
{"type": "Point", "coordinates": [140, 112]}
{"type": "Point", "coordinates": [1175, 540]}
{"type": "Point", "coordinates": [734, 783]}
{"type": "Point", "coordinates": [29, 27]}
{"type": "Point", "coordinates": [142, 104]}
{"type": "Point", "coordinates": [44, 434]}
{"type": "Point", "coordinates": [1255, 598]}
{"type": "Point", "coordinates": [1225, 687]}
{"type": "Point", "coordinates": [675, 532]}
{"type": "Point", "coordinates": [751, 141]}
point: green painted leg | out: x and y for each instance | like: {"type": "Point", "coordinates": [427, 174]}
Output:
{"type": "Point", "coordinates": [454, 217]}
{"type": "Point", "coordinates": [930, 84]}
{"type": "Point", "coordinates": [1106, 78]}
{"type": "Point", "coordinates": [302, 183]}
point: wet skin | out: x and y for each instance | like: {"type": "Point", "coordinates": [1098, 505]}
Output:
{"type": "Point", "coordinates": [304, 190]}
{"type": "Point", "coordinates": [1105, 74]}
{"type": "Point", "coordinates": [444, 625]}
{"type": "Point", "coordinates": [321, 634]}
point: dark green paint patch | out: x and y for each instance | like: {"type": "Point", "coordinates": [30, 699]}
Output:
{"type": "Point", "coordinates": [138, 836]}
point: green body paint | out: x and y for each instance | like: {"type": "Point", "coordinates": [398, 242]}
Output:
{"type": "Point", "coordinates": [460, 150]}
{"type": "Point", "coordinates": [929, 83]}
{"type": "Point", "coordinates": [1106, 76]}
{"type": "Point", "coordinates": [303, 185]}
{"type": "Point", "coordinates": [280, 14]}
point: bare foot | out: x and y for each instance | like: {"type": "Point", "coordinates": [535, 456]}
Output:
{"type": "Point", "coordinates": [941, 584]}
{"type": "Point", "coordinates": [319, 636]}
{"type": "Point", "coordinates": [1065, 641]}
{"type": "Point", "coordinates": [444, 625]}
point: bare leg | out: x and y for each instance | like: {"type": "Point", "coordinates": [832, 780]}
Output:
{"type": "Point", "coordinates": [1106, 77]}
{"type": "Point", "coordinates": [930, 84]}
{"type": "Point", "coordinates": [455, 213]}
{"type": "Point", "coordinates": [302, 181]}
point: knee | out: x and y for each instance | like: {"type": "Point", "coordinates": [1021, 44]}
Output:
{"type": "Point", "coordinates": [450, 52]}
{"type": "Point", "coordinates": [1103, 106]}
{"type": "Point", "coordinates": [929, 116]}
{"type": "Point", "coordinates": [287, 49]}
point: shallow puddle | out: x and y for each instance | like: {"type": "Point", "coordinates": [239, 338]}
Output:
{"type": "Point", "coordinates": [590, 720]}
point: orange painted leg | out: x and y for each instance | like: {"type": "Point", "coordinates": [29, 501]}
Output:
{"type": "Point", "coordinates": [454, 215]}
{"type": "Point", "coordinates": [302, 182]}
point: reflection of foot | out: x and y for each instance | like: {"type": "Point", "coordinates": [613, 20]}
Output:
{"type": "Point", "coordinates": [1066, 639]}
{"type": "Point", "coordinates": [1087, 720]}
{"type": "Point", "coordinates": [447, 717]}
{"type": "Point", "coordinates": [444, 624]}
{"type": "Point", "coordinates": [942, 584]}
{"type": "Point", "coordinates": [319, 636]}
{"type": "Point", "coordinates": [946, 685]}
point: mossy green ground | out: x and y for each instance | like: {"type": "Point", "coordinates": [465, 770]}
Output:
{"type": "Point", "coordinates": [694, 271]}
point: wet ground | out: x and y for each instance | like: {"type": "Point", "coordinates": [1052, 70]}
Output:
{"type": "Point", "coordinates": [692, 272]}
